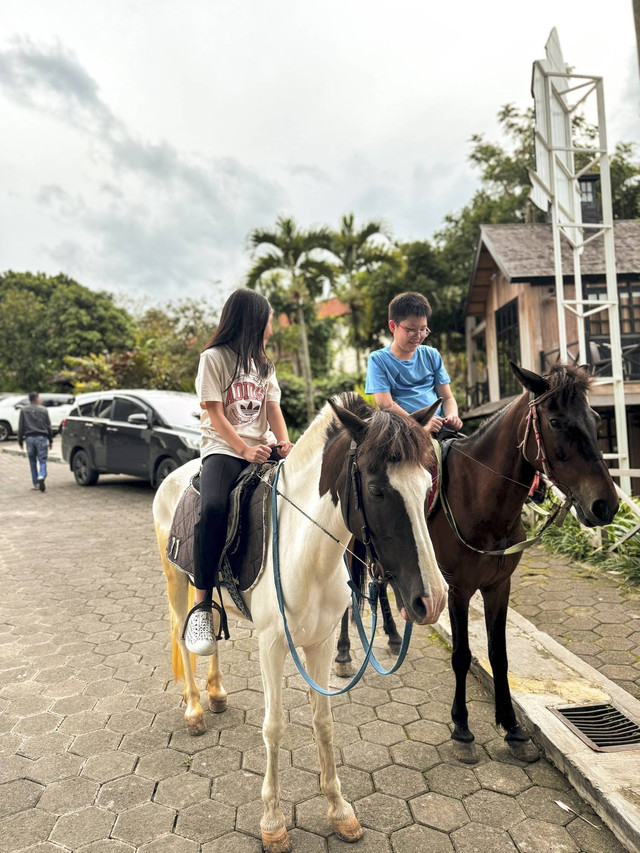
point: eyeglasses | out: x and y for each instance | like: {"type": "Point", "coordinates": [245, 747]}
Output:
{"type": "Point", "coordinates": [415, 333]}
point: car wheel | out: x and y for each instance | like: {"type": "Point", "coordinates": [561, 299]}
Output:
{"type": "Point", "coordinates": [83, 470]}
{"type": "Point", "coordinates": [5, 430]}
{"type": "Point", "coordinates": [165, 467]}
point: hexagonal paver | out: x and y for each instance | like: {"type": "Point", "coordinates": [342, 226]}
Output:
{"type": "Point", "coordinates": [493, 808]}
{"type": "Point", "coordinates": [366, 756]}
{"type": "Point", "coordinates": [170, 844]}
{"type": "Point", "coordinates": [235, 842]}
{"type": "Point", "coordinates": [400, 782]}
{"type": "Point", "coordinates": [439, 812]}
{"type": "Point", "coordinates": [40, 746]}
{"type": "Point", "coordinates": [69, 795]}
{"type": "Point", "coordinates": [382, 812]}
{"type": "Point", "coordinates": [394, 712]}
{"type": "Point", "coordinates": [479, 838]}
{"type": "Point", "coordinates": [83, 722]}
{"type": "Point", "coordinates": [503, 778]}
{"type": "Point", "coordinates": [108, 766]}
{"type": "Point", "coordinates": [82, 827]}
{"type": "Point", "coordinates": [236, 788]}
{"type": "Point", "coordinates": [297, 785]}
{"type": "Point", "coordinates": [537, 836]}
{"type": "Point", "coordinates": [419, 756]}
{"type": "Point", "coordinates": [205, 821]}
{"type": "Point", "coordinates": [162, 763]}
{"type": "Point", "coordinates": [416, 838]}
{"type": "Point", "coordinates": [125, 793]}
{"type": "Point", "coordinates": [182, 791]}
{"type": "Point", "coordinates": [129, 721]}
{"type": "Point", "coordinates": [31, 827]}
{"type": "Point", "coordinates": [427, 731]}
{"type": "Point", "coordinates": [540, 804]}
{"type": "Point", "coordinates": [53, 768]}
{"type": "Point", "coordinates": [216, 761]}
{"type": "Point", "coordinates": [382, 732]}
{"type": "Point", "coordinates": [452, 781]}
{"type": "Point", "coordinates": [18, 796]}
{"type": "Point", "coordinates": [143, 823]}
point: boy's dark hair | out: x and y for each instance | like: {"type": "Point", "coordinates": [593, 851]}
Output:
{"type": "Point", "coordinates": [33, 396]}
{"type": "Point", "coordinates": [409, 304]}
{"type": "Point", "coordinates": [242, 323]}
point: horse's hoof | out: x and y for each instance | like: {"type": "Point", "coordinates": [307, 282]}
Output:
{"type": "Point", "coordinates": [276, 842]}
{"type": "Point", "coordinates": [348, 830]}
{"type": "Point", "coordinates": [394, 647]}
{"type": "Point", "coordinates": [523, 750]}
{"type": "Point", "coordinates": [217, 705]}
{"type": "Point", "coordinates": [345, 670]}
{"type": "Point", "coordinates": [465, 752]}
{"type": "Point", "coordinates": [196, 725]}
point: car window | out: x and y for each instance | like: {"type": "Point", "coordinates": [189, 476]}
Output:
{"type": "Point", "coordinates": [123, 408]}
{"type": "Point", "coordinates": [102, 409]}
{"type": "Point", "coordinates": [85, 410]}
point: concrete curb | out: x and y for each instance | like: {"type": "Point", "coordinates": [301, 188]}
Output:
{"type": "Point", "coordinates": [543, 674]}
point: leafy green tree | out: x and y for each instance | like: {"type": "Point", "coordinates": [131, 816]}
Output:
{"type": "Point", "coordinates": [357, 251]}
{"type": "Point", "coordinates": [45, 318]}
{"type": "Point", "coordinates": [297, 255]}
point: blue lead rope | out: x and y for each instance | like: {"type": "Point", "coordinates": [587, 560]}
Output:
{"type": "Point", "coordinates": [372, 598]}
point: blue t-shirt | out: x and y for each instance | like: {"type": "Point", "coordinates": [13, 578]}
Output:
{"type": "Point", "coordinates": [411, 383]}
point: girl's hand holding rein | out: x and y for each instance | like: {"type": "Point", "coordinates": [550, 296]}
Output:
{"type": "Point", "coordinates": [260, 453]}
{"type": "Point", "coordinates": [284, 449]}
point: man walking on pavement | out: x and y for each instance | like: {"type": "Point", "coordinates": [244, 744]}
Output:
{"type": "Point", "coordinates": [35, 426]}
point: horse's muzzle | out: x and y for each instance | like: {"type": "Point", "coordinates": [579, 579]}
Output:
{"type": "Point", "coordinates": [425, 610]}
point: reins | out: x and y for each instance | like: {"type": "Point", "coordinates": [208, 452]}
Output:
{"type": "Point", "coordinates": [557, 516]}
{"type": "Point", "coordinates": [353, 483]}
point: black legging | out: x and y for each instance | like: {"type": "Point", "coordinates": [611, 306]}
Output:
{"type": "Point", "coordinates": [219, 473]}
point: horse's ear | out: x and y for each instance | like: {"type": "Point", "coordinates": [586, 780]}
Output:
{"type": "Point", "coordinates": [530, 380]}
{"type": "Point", "coordinates": [423, 416]}
{"type": "Point", "coordinates": [356, 426]}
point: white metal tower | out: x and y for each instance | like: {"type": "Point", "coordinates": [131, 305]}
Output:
{"type": "Point", "coordinates": [558, 95]}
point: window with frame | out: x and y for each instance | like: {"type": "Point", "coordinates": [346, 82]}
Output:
{"type": "Point", "coordinates": [599, 335]}
{"type": "Point", "coordinates": [508, 340]}
{"type": "Point", "coordinates": [123, 408]}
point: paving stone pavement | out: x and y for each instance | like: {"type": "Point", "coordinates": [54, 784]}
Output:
{"type": "Point", "coordinates": [95, 756]}
{"type": "Point", "coordinates": [594, 614]}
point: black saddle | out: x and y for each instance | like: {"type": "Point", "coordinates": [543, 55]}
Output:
{"type": "Point", "coordinates": [244, 552]}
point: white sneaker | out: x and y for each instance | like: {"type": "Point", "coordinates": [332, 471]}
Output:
{"type": "Point", "coordinates": [199, 637]}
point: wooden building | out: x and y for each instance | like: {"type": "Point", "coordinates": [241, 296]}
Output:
{"type": "Point", "coordinates": [511, 315]}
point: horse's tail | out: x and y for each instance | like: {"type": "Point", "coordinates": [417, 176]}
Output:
{"type": "Point", "coordinates": [180, 602]}
{"type": "Point", "coordinates": [177, 664]}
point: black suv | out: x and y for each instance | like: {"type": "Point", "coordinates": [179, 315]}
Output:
{"type": "Point", "coordinates": [143, 433]}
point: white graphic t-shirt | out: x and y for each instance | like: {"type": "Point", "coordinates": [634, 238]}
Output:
{"type": "Point", "coordinates": [244, 401]}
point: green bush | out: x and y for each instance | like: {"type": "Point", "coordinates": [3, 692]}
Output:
{"type": "Point", "coordinates": [574, 540]}
{"type": "Point", "coordinates": [293, 399]}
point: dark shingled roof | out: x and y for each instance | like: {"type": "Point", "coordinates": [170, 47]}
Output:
{"type": "Point", "coordinates": [525, 252]}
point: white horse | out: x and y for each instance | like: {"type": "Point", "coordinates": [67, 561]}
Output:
{"type": "Point", "coordinates": [393, 456]}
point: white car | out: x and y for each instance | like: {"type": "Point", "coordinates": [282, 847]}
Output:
{"type": "Point", "coordinates": [59, 406]}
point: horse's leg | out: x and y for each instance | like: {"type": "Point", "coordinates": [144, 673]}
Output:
{"type": "Point", "coordinates": [275, 838]}
{"type": "Point", "coordinates": [344, 669]}
{"type": "Point", "coordinates": [217, 693]}
{"type": "Point", "coordinates": [178, 591]}
{"type": "Point", "coordinates": [462, 737]}
{"type": "Point", "coordinates": [388, 622]}
{"type": "Point", "coordinates": [496, 603]}
{"type": "Point", "coordinates": [341, 815]}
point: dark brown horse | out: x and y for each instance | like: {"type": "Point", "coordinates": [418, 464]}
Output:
{"type": "Point", "coordinates": [551, 428]}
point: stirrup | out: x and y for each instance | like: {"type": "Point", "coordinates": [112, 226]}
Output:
{"type": "Point", "coordinates": [209, 604]}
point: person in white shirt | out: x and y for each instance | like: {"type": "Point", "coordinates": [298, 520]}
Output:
{"type": "Point", "coordinates": [241, 422]}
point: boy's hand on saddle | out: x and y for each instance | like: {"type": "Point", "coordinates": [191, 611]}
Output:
{"type": "Point", "coordinates": [260, 453]}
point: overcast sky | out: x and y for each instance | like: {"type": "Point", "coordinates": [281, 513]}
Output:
{"type": "Point", "coordinates": [143, 139]}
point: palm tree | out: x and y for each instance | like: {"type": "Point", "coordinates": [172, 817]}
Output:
{"type": "Point", "coordinates": [356, 252]}
{"type": "Point", "coordinates": [295, 254]}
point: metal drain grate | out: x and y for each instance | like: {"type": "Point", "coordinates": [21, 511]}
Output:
{"type": "Point", "coordinates": [603, 727]}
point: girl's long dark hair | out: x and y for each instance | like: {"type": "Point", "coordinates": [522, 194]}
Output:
{"type": "Point", "coordinates": [242, 323]}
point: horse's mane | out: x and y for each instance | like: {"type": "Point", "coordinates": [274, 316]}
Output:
{"type": "Point", "coordinates": [390, 437]}
{"type": "Point", "coordinates": [568, 384]}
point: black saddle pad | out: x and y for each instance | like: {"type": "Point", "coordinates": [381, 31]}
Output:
{"type": "Point", "coordinates": [244, 552]}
